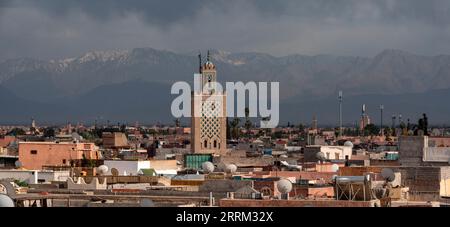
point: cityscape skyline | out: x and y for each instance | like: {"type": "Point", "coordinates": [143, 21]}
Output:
{"type": "Point", "coordinates": [254, 104]}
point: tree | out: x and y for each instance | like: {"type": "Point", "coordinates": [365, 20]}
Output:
{"type": "Point", "coordinates": [235, 128]}
{"type": "Point", "coordinates": [248, 124]}
{"type": "Point", "coordinates": [371, 129]}
{"type": "Point", "coordinates": [301, 128]}
{"type": "Point", "coordinates": [123, 128]}
{"type": "Point", "coordinates": [49, 132]}
{"type": "Point", "coordinates": [16, 132]}
{"type": "Point", "coordinates": [177, 122]}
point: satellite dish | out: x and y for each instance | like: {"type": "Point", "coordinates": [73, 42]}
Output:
{"type": "Point", "coordinates": [114, 172]}
{"type": "Point", "coordinates": [6, 201]}
{"type": "Point", "coordinates": [334, 168]}
{"type": "Point", "coordinates": [231, 168]}
{"type": "Point", "coordinates": [147, 203]}
{"type": "Point", "coordinates": [348, 144]}
{"type": "Point", "coordinates": [284, 186]}
{"type": "Point", "coordinates": [320, 155]}
{"type": "Point", "coordinates": [208, 167]}
{"type": "Point", "coordinates": [388, 174]}
{"type": "Point", "coordinates": [76, 172]}
{"type": "Point", "coordinates": [102, 170]}
{"type": "Point", "coordinates": [18, 164]}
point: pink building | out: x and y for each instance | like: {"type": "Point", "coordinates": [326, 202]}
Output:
{"type": "Point", "coordinates": [35, 155]}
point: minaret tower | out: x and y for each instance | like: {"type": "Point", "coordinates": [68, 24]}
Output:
{"type": "Point", "coordinates": [208, 121]}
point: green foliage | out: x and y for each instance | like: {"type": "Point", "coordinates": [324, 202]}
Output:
{"type": "Point", "coordinates": [16, 132]}
{"type": "Point", "coordinates": [21, 183]}
{"type": "Point", "coordinates": [49, 132]}
{"type": "Point", "coordinates": [235, 128]}
{"type": "Point", "coordinates": [371, 130]}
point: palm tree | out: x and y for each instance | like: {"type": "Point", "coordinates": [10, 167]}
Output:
{"type": "Point", "coordinates": [235, 128]}
{"type": "Point", "coordinates": [248, 124]}
{"type": "Point", "coordinates": [177, 122]}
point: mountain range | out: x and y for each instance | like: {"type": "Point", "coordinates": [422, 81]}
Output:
{"type": "Point", "coordinates": [134, 85]}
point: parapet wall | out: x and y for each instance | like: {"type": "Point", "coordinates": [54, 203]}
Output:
{"type": "Point", "coordinates": [294, 203]}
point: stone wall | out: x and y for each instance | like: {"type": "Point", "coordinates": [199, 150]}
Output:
{"type": "Point", "coordinates": [223, 185]}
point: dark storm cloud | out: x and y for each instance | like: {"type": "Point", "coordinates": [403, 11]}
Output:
{"type": "Point", "coordinates": [158, 12]}
{"type": "Point", "coordinates": [55, 28]}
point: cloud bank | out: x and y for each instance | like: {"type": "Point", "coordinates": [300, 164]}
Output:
{"type": "Point", "coordinates": [50, 29]}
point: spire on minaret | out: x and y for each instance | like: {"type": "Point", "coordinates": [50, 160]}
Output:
{"type": "Point", "coordinates": [208, 57]}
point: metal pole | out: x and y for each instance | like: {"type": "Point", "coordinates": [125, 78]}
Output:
{"type": "Point", "coordinates": [381, 120]}
{"type": "Point", "coordinates": [340, 113]}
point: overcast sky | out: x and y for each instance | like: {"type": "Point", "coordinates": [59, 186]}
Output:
{"type": "Point", "coordinates": [50, 29]}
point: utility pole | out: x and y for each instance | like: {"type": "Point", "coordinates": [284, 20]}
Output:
{"type": "Point", "coordinates": [340, 113]}
{"type": "Point", "coordinates": [381, 119]}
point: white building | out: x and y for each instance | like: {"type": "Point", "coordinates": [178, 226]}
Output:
{"type": "Point", "coordinates": [34, 176]}
{"type": "Point", "coordinates": [126, 168]}
{"type": "Point", "coordinates": [330, 152]}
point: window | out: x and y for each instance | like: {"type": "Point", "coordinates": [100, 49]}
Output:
{"type": "Point", "coordinates": [206, 144]}
{"type": "Point", "coordinates": [215, 144]}
{"type": "Point", "coordinates": [33, 152]}
{"type": "Point", "coordinates": [64, 161]}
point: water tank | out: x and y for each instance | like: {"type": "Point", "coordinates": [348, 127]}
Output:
{"type": "Point", "coordinates": [5, 201]}
{"type": "Point", "coordinates": [351, 179]}
{"type": "Point", "coordinates": [284, 186]}
{"type": "Point", "coordinates": [208, 167]}
{"type": "Point", "coordinates": [267, 151]}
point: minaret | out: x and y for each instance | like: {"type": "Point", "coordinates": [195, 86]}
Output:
{"type": "Point", "coordinates": [208, 121]}
{"type": "Point", "coordinates": [314, 123]}
{"type": "Point", "coordinates": [33, 123]}
{"type": "Point", "coordinates": [365, 120]}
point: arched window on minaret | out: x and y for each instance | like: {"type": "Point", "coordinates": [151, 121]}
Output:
{"type": "Point", "coordinates": [206, 144]}
{"type": "Point", "coordinates": [215, 144]}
